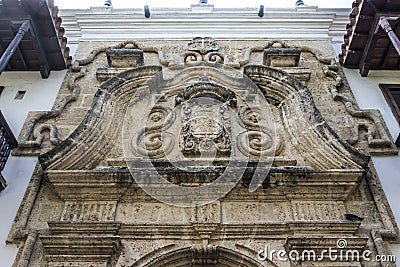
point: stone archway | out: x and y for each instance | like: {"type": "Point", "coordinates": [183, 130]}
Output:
{"type": "Point", "coordinates": [204, 256]}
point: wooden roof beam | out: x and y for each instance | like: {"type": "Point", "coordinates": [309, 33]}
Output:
{"type": "Point", "coordinates": [385, 25]}
{"type": "Point", "coordinates": [5, 58]}
{"type": "Point", "coordinates": [364, 65]}
{"type": "Point", "coordinates": [389, 55]}
{"type": "Point", "coordinates": [381, 21]}
{"type": "Point", "coordinates": [17, 50]}
{"type": "Point", "coordinates": [44, 64]}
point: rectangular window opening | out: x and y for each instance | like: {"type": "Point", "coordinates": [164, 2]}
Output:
{"type": "Point", "coordinates": [391, 92]}
{"type": "Point", "coordinates": [20, 95]}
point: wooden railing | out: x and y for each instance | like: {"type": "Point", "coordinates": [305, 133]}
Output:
{"type": "Point", "coordinates": [7, 143]}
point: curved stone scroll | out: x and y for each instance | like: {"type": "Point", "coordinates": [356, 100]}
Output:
{"type": "Point", "coordinates": [308, 131]}
{"type": "Point", "coordinates": [97, 133]}
{"type": "Point", "coordinates": [32, 136]}
{"type": "Point", "coordinates": [34, 130]}
{"type": "Point", "coordinates": [257, 140]}
{"type": "Point", "coordinates": [153, 141]}
{"type": "Point", "coordinates": [378, 137]}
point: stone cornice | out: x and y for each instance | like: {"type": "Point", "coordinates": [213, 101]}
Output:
{"type": "Point", "coordinates": [190, 231]}
{"type": "Point", "coordinates": [81, 185]}
{"type": "Point", "coordinates": [105, 24]}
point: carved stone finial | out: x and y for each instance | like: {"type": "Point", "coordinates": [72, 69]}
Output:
{"type": "Point", "coordinates": [203, 45]}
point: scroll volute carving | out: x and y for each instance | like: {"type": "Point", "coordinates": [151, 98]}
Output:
{"type": "Point", "coordinates": [207, 120]}
{"type": "Point", "coordinates": [153, 140]}
{"type": "Point", "coordinates": [258, 140]}
{"type": "Point", "coordinates": [180, 115]}
{"type": "Point", "coordinates": [203, 49]}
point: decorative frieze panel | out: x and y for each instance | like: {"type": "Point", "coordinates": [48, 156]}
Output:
{"type": "Point", "coordinates": [89, 211]}
{"type": "Point", "coordinates": [318, 211]}
{"type": "Point", "coordinates": [209, 213]}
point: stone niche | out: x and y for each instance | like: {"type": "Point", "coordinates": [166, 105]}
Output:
{"type": "Point", "coordinates": [282, 57]}
{"type": "Point", "coordinates": [182, 160]}
{"type": "Point", "coordinates": [124, 57]}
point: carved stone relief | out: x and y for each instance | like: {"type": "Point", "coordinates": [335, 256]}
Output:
{"type": "Point", "coordinates": [154, 141]}
{"type": "Point", "coordinates": [258, 140]}
{"type": "Point", "coordinates": [206, 125]}
{"type": "Point", "coordinates": [378, 140]}
{"type": "Point", "coordinates": [42, 127]}
{"type": "Point", "coordinates": [105, 218]}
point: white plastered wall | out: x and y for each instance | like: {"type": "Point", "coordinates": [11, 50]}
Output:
{"type": "Point", "coordinates": [40, 95]}
{"type": "Point", "coordinates": [369, 96]}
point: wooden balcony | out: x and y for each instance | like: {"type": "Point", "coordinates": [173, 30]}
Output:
{"type": "Point", "coordinates": [7, 143]}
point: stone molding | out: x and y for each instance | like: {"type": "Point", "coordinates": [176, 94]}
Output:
{"type": "Point", "coordinates": [292, 97]}
{"type": "Point", "coordinates": [316, 23]}
{"type": "Point", "coordinates": [103, 218]}
{"type": "Point", "coordinates": [76, 251]}
{"type": "Point", "coordinates": [33, 140]}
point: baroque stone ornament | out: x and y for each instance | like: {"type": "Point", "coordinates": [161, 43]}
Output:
{"type": "Point", "coordinates": [258, 140]}
{"type": "Point", "coordinates": [203, 49]}
{"type": "Point", "coordinates": [204, 129]}
{"type": "Point", "coordinates": [32, 136]}
{"type": "Point", "coordinates": [124, 56]}
{"type": "Point", "coordinates": [153, 141]}
{"type": "Point", "coordinates": [205, 119]}
{"type": "Point", "coordinates": [87, 203]}
{"type": "Point", "coordinates": [203, 45]}
{"type": "Point", "coordinates": [378, 139]}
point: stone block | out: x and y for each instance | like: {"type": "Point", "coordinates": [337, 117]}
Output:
{"type": "Point", "coordinates": [282, 57]}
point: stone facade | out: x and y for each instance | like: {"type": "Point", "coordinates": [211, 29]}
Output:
{"type": "Point", "coordinates": [203, 152]}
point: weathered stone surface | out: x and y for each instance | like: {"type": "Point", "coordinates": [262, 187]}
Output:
{"type": "Point", "coordinates": [282, 57]}
{"type": "Point", "coordinates": [118, 187]}
{"type": "Point", "coordinates": [125, 57]}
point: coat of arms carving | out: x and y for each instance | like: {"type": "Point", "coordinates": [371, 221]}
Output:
{"type": "Point", "coordinates": [205, 119]}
